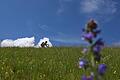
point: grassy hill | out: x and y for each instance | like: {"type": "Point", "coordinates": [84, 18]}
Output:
{"type": "Point", "coordinates": [51, 63]}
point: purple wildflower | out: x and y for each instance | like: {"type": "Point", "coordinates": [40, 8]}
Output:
{"type": "Point", "coordinates": [83, 63]}
{"type": "Point", "coordinates": [87, 77]}
{"type": "Point", "coordinates": [85, 50]}
{"type": "Point", "coordinates": [102, 69]}
{"type": "Point", "coordinates": [84, 77]}
{"type": "Point", "coordinates": [97, 49]}
{"type": "Point", "coordinates": [96, 32]}
{"type": "Point", "coordinates": [99, 42]}
{"type": "Point", "coordinates": [88, 36]}
{"type": "Point", "coordinates": [97, 46]}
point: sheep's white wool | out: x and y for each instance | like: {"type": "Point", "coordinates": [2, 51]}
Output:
{"type": "Point", "coordinates": [20, 42]}
{"type": "Point", "coordinates": [43, 40]}
{"type": "Point", "coordinates": [7, 43]}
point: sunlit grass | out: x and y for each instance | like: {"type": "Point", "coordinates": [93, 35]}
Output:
{"type": "Point", "coordinates": [51, 63]}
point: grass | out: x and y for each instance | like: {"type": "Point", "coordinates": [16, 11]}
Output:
{"type": "Point", "coordinates": [51, 63]}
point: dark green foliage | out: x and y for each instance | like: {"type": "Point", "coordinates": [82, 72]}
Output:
{"type": "Point", "coordinates": [51, 63]}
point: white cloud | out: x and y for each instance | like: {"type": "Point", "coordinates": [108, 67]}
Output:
{"type": "Point", "coordinates": [98, 6]}
{"type": "Point", "coordinates": [60, 10]}
{"type": "Point", "coordinates": [20, 42]}
{"type": "Point", "coordinates": [89, 6]}
{"type": "Point", "coordinates": [62, 6]}
{"type": "Point", "coordinates": [24, 42]}
{"type": "Point", "coordinates": [43, 27]}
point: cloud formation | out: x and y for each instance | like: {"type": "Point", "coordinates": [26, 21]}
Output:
{"type": "Point", "coordinates": [98, 6]}
{"type": "Point", "coordinates": [24, 42]}
{"type": "Point", "coordinates": [62, 6]}
{"type": "Point", "coordinates": [20, 42]}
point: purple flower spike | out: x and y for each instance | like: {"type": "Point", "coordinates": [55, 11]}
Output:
{"type": "Point", "coordinates": [90, 35]}
{"type": "Point", "coordinates": [102, 69]}
{"type": "Point", "coordinates": [96, 52]}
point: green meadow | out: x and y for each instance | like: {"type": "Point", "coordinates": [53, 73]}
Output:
{"type": "Point", "coordinates": [60, 63]}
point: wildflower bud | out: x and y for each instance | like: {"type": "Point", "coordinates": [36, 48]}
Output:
{"type": "Point", "coordinates": [85, 50]}
{"type": "Point", "coordinates": [83, 63]}
{"type": "Point", "coordinates": [102, 69]}
{"type": "Point", "coordinates": [97, 49]}
{"type": "Point", "coordinates": [96, 33]}
{"type": "Point", "coordinates": [91, 25]}
{"type": "Point", "coordinates": [99, 42]}
{"type": "Point", "coordinates": [97, 57]}
{"type": "Point", "coordinates": [87, 77]}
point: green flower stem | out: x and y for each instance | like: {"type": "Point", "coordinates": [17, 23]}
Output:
{"type": "Point", "coordinates": [93, 64]}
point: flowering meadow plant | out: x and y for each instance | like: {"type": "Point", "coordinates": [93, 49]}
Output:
{"type": "Point", "coordinates": [91, 59]}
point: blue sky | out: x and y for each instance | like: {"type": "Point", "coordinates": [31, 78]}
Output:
{"type": "Point", "coordinates": [59, 20]}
